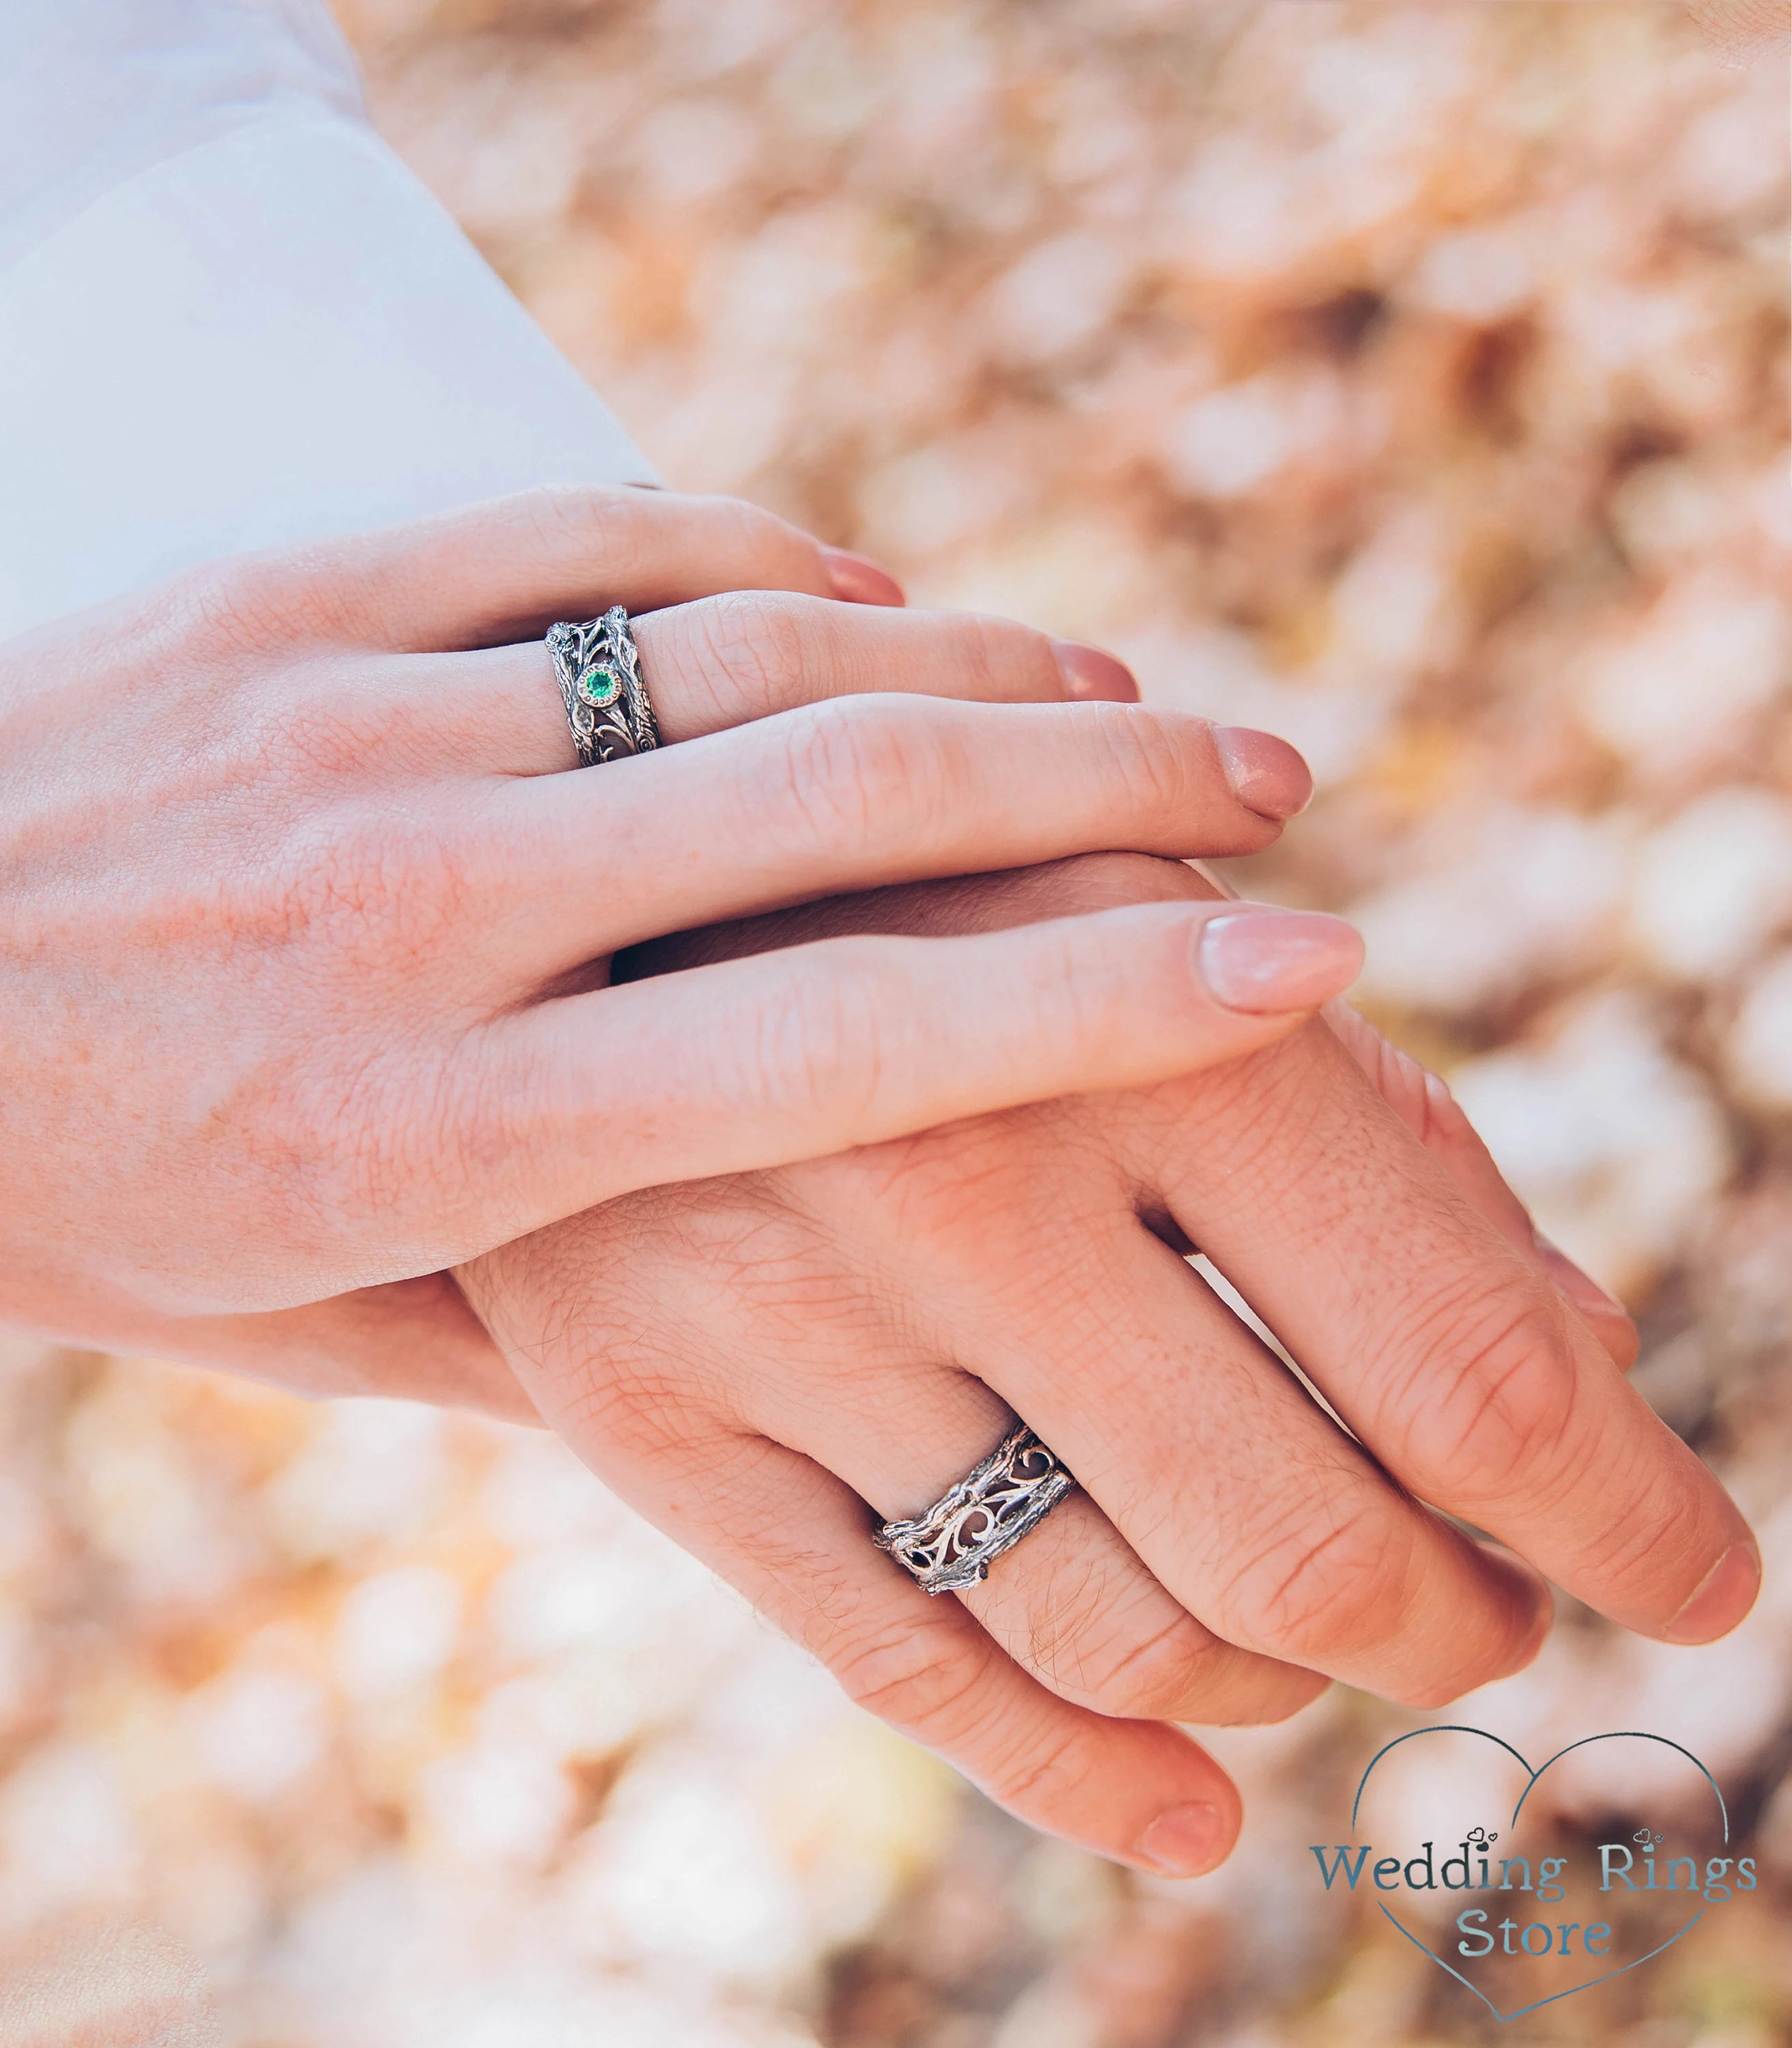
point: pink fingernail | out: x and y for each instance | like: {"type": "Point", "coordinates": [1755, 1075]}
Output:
{"type": "Point", "coordinates": [1724, 1595]}
{"type": "Point", "coordinates": [1267, 775]}
{"type": "Point", "coordinates": [1185, 1841]}
{"type": "Point", "coordinates": [1268, 962]}
{"type": "Point", "coordinates": [857, 580]}
{"type": "Point", "coordinates": [1089, 673]}
{"type": "Point", "coordinates": [1581, 1287]}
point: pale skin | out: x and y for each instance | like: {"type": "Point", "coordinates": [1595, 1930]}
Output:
{"type": "Point", "coordinates": [299, 903]}
{"type": "Point", "coordinates": [818, 1343]}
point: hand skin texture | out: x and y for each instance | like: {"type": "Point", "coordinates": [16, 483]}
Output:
{"type": "Point", "coordinates": [298, 717]}
{"type": "Point", "coordinates": [766, 1364]}
{"type": "Point", "coordinates": [301, 892]}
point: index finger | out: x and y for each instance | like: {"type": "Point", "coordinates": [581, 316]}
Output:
{"type": "Point", "coordinates": [1439, 1343]}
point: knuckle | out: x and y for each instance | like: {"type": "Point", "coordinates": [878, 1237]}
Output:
{"type": "Point", "coordinates": [1491, 1658]}
{"type": "Point", "coordinates": [367, 893]}
{"type": "Point", "coordinates": [1013, 1211]}
{"type": "Point", "coordinates": [347, 1141]}
{"type": "Point", "coordinates": [252, 604]}
{"type": "Point", "coordinates": [820, 1048]}
{"type": "Point", "coordinates": [324, 727]}
{"type": "Point", "coordinates": [858, 771]}
{"type": "Point", "coordinates": [1156, 1676]}
{"type": "Point", "coordinates": [1264, 1113]}
{"type": "Point", "coordinates": [1490, 1402]}
{"type": "Point", "coordinates": [490, 1106]}
{"type": "Point", "coordinates": [1072, 990]}
{"type": "Point", "coordinates": [750, 536]}
{"type": "Point", "coordinates": [1655, 1558]}
{"type": "Point", "coordinates": [932, 1185]}
{"type": "Point", "coordinates": [1050, 1771]}
{"type": "Point", "coordinates": [536, 1296]}
{"type": "Point", "coordinates": [335, 887]}
{"type": "Point", "coordinates": [1147, 756]}
{"type": "Point", "coordinates": [655, 1412]}
{"type": "Point", "coordinates": [604, 518]}
{"type": "Point", "coordinates": [752, 651]}
{"type": "Point", "coordinates": [1118, 1650]}
{"type": "Point", "coordinates": [919, 1675]}
{"type": "Point", "coordinates": [999, 660]}
{"type": "Point", "coordinates": [627, 528]}
{"type": "Point", "coordinates": [1505, 1635]}
{"type": "Point", "coordinates": [1325, 1582]}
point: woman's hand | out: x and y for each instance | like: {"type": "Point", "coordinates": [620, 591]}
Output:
{"type": "Point", "coordinates": [302, 920]}
{"type": "Point", "coordinates": [765, 1365]}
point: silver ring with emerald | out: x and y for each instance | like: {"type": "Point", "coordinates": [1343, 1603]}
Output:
{"type": "Point", "coordinates": [598, 667]}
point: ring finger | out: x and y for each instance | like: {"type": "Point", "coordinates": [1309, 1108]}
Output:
{"type": "Point", "coordinates": [1263, 1519]}
{"type": "Point", "coordinates": [793, 1538]}
{"type": "Point", "coordinates": [824, 1370]}
{"type": "Point", "coordinates": [1072, 1603]}
{"type": "Point", "coordinates": [874, 1404]}
{"type": "Point", "coordinates": [727, 660]}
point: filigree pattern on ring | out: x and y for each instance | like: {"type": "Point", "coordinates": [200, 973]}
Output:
{"type": "Point", "coordinates": [991, 1509]}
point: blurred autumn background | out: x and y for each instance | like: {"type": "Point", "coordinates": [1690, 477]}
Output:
{"type": "Point", "coordinates": [1408, 378]}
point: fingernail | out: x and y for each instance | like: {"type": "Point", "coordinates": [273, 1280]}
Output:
{"type": "Point", "coordinates": [1089, 673]}
{"type": "Point", "coordinates": [1185, 1841]}
{"type": "Point", "coordinates": [1267, 775]}
{"type": "Point", "coordinates": [856, 579]}
{"type": "Point", "coordinates": [1725, 1594]}
{"type": "Point", "coordinates": [1581, 1288]}
{"type": "Point", "coordinates": [1542, 1620]}
{"type": "Point", "coordinates": [1271, 961]}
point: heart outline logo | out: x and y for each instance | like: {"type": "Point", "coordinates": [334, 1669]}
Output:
{"type": "Point", "coordinates": [1531, 1777]}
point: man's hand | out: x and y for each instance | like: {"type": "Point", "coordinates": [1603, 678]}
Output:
{"type": "Point", "coordinates": [765, 1364]}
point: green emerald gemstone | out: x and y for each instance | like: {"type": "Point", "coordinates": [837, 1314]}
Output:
{"type": "Point", "coordinates": [600, 687]}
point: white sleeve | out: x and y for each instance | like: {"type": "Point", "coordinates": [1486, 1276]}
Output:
{"type": "Point", "coordinates": [229, 316]}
